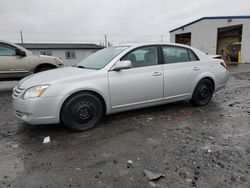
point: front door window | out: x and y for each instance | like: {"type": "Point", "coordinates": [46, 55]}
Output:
{"type": "Point", "coordinates": [142, 57]}
{"type": "Point", "coordinates": [6, 50]}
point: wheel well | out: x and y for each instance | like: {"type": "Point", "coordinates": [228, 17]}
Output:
{"type": "Point", "coordinates": [208, 78]}
{"type": "Point", "coordinates": [86, 91]}
{"type": "Point", "coordinates": [43, 65]}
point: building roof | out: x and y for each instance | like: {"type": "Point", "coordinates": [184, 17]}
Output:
{"type": "Point", "coordinates": [211, 18]}
{"type": "Point", "coordinates": [59, 46]}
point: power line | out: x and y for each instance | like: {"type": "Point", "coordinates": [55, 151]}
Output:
{"type": "Point", "coordinates": [94, 34]}
{"type": "Point", "coordinates": [96, 38]}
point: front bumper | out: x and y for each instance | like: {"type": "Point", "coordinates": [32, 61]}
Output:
{"type": "Point", "coordinates": [37, 110]}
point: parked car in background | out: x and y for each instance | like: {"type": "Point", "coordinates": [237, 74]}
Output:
{"type": "Point", "coordinates": [16, 61]}
{"type": "Point", "coordinates": [117, 79]}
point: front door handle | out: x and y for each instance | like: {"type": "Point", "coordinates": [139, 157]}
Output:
{"type": "Point", "coordinates": [157, 74]}
{"type": "Point", "coordinates": [196, 69]}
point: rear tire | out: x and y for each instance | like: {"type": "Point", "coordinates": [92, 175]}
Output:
{"type": "Point", "coordinates": [82, 112]}
{"type": "Point", "coordinates": [203, 93]}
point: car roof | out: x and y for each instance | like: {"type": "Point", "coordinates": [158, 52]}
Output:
{"type": "Point", "coordinates": [200, 54]}
{"type": "Point", "coordinates": [134, 45]}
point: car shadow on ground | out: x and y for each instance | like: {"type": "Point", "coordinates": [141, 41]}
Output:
{"type": "Point", "coordinates": [110, 121]}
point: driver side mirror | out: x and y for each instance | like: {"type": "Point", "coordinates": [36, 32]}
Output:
{"type": "Point", "coordinates": [20, 52]}
{"type": "Point", "coordinates": [126, 64]}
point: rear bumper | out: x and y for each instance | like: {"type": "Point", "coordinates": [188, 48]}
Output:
{"type": "Point", "coordinates": [37, 110]}
{"type": "Point", "coordinates": [223, 82]}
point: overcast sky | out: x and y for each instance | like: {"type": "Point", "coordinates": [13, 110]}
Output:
{"type": "Point", "coordinates": [82, 21]}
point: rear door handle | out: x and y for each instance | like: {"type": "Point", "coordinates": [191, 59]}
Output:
{"type": "Point", "coordinates": [196, 69]}
{"type": "Point", "coordinates": [157, 74]}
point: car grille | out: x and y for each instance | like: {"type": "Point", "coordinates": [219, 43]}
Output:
{"type": "Point", "coordinates": [17, 92]}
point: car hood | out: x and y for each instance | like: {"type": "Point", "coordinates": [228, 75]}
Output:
{"type": "Point", "coordinates": [54, 76]}
{"type": "Point", "coordinates": [47, 56]}
{"type": "Point", "coordinates": [44, 57]}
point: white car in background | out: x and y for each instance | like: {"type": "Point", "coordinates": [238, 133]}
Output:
{"type": "Point", "coordinates": [117, 79]}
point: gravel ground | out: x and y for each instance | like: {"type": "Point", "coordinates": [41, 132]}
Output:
{"type": "Point", "coordinates": [192, 146]}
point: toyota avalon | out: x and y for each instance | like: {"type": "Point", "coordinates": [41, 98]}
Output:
{"type": "Point", "coordinates": [116, 79]}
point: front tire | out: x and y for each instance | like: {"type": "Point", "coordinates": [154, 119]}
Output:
{"type": "Point", "coordinates": [203, 93]}
{"type": "Point", "coordinates": [82, 112]}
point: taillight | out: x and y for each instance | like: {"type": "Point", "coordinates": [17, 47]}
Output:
{"type": "Point", "coordinates": [224, 64]}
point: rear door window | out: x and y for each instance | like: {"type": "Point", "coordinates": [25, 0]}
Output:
{"type": "Point", "coordinates": [175, 54]}
{"type": "Point", "coordinates": [192, 56]}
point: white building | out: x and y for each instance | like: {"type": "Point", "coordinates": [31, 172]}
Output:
{"type": "Point", "coordinates": [225, 35]}
{"type": "Point", "coordinates": [71, 54]}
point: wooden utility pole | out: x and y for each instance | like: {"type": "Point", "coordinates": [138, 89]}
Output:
{"type": "Point", "coordinates": [21, 34]}
{"type": "Point", "coordinates": [106, 40]}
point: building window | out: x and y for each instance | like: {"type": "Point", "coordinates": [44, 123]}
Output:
{"type": "Point", "coordinates": [47, 53]}
{"type": "Point", "coordinates": [35, 53]}
{"type": "Point", "coordinates": [70, 55]}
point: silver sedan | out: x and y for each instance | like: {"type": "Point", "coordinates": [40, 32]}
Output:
{"type": "Point", "coordinates": [117, 79]}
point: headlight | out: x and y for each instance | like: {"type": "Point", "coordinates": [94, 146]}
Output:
{"type": "Point", "coordinates": [35, 91]}
{"type": "Point", "coordinates": [58, 61]}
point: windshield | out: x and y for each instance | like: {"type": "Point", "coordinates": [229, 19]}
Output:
{"type": "Point", "coordinates": [101, 58]}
